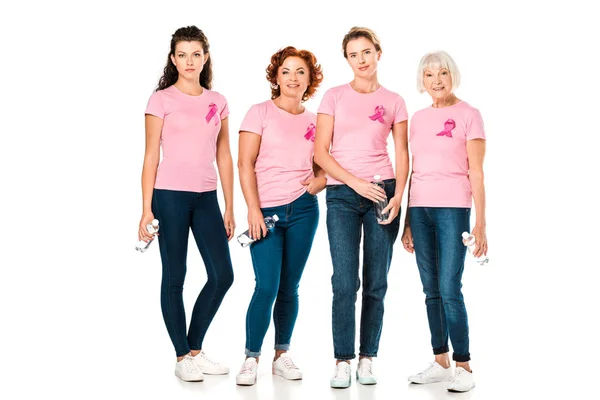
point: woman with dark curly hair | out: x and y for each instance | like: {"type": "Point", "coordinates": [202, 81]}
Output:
{"type": "Point", "coordinates": [278, 177]}
{"type": "Point", "coordinates": [190, 122]}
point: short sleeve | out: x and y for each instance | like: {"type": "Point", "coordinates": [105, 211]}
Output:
{"type": "Point", "coordinates": [475, 129]}
{"type": "Point", "coordinates": [253, 121]}
{"type": "Point", "coordinates": [401, 112]}
{"type": "Point", "coordinates": [327, 105]}
{"type": "Point", "coordinates": [155, 106]}
{"type": "Point", "coordinates": [225, 110]}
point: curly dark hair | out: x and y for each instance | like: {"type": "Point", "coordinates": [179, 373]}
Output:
{"type": "Point", "coordinates": [170, 74]}
{"type": "Point", "coordinates": [277, 59]}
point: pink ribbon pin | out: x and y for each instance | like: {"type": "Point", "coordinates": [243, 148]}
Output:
{"type": "Point", "coordinates": [378, 116]}
{"type": "Point", "coordinates": [310, 133]}
{"type": "Point", "coordinates": [212, 113]}
{"type": "Point", "coordinates": [448, 126]}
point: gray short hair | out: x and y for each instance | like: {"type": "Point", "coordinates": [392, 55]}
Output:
{"type": "Point", "coordinates": [439, 59]}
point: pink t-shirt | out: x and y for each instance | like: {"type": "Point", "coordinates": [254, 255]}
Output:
{"type": "Point", "coordinates": [286, 152]}
{"type": "Point", "coordinates": [361, 127]}
{"type": "Point", "coordinates": [438, 142]}
{"type": "Point", "coordinates": [191, 125]}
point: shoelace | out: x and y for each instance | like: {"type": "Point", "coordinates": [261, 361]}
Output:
{"type": "Point", "coordinates": [365, 368]}
{"type": "Point", "coordinates": [189, 364]}
{"type": "Point", "coordinates": [341, 371]}
{"type": "Point", "coordinates": [205, 358]}
{"type": "Point", "coordinates": [247, 368]}
{"type": "Point", "coordinates": [428, 370]}
{"type": "Point", "coordinates": [288, 363]}
{"type": "Point", "coordinates": [457, 374]}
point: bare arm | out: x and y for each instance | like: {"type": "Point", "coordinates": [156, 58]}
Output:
{"type": "Point", "coordinates": [476, 155]}
{"type": "Point", "coordinates": [249, 146]}
{"type": "Point", "coordinates": [225, 166]}
{"type": "Point", "coordinates": [151, 159]}
{"type": "Point", "coordinates": [323, 140]}
{"type": "Point", "coordinates": [400, 134]}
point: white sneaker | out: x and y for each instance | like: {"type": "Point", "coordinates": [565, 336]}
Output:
{"type": "Point", "coordinates": [364, 372]}
{"type": "Point", "coordinates": [341, 377]}
{"type": "Point", "coordinates": [285, 367]}
{"type": "Point", "coordinates": [432, 374]}
{"type": "Point", "coordinates": [187, 370]}
{"type": "Point", "coordinates": [462, 381]}
{"type": "Point", "coordinates": [208, 366]}
{"type": "Point", "coordinates": [247, 374]}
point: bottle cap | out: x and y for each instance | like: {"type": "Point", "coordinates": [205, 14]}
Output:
{"type": "Point", "coordinates": [275, 217]}
{"type": "Point", "coordinates": [377, 177]}
{"type": "Point", "coordinates": [465, 235]}
{"type": "Point", "coordinates": [155, 222]}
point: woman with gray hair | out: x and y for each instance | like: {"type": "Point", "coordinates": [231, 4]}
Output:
{"type": "Point", "coordinates": [447, 141]}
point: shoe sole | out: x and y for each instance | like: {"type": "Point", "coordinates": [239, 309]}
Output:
{"type": "Point", "coordinates": [215, 373]}
{"type": "Point", "coordinates": [245, 382]}
{"type": "Point", "coordinates": [366, 381]}
{"type": "Point", "coordinates": [183, 380]}
{"type": "Point", "coordinates": [461, 391]}
{"type": "Point", "coordinates": [275, 372]}
{"type": "Point", "coordinates": [340, 385]}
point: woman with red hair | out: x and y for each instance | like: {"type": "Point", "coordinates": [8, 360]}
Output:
{"type": "Point", "coordinates": [278, 177]}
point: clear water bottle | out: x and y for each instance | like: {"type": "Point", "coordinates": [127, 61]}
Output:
{"type": "Point", "coordinates": [469, 241]}
{"type": "Point", "coordinates": [380, 205]}
{"type": "Point", "coordinates": [244, 239]}
{"type": "Point", "coordinates": [152, 228]}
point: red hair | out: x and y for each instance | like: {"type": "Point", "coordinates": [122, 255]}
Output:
{"type": "Point", "coordinates": [277, 59]}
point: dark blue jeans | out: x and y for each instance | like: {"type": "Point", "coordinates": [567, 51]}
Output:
{"type": "Point", "coordinates": [440, 257]}
{"type": "Point", "coordinates": [177, 212]}
{"type": "Point", "coordinates": [348, 214]}
{"type": "Point", "coordinates": [279, 260]}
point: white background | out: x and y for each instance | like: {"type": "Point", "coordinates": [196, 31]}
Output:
{"type": "Point", "coordinates": [80, 309]}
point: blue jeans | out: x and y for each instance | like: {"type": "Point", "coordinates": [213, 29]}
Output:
{"type": "Point", "coordinates": [440, 257]}
{"type": "Point", "coordinates": [348, 214]}
{"type": "Point", "coordinates": [177, 212]}
{"type": "Point", "coordinates": [279, 260]}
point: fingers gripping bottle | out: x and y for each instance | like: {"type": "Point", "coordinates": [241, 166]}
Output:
{"type": "Point", "coordinates": [152, 228]}
{"type": "Point", "coordinates": [469, 241]}
{"type": "Point", "coordinates": [380, 205]}
{"type": "Point", "coordinates": [244, 239]}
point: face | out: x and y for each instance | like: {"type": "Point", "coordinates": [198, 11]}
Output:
{"type": "Point", "coordinates": [293, 77]}
{"type": "Point", "coordinates": [362, 57]}
{"type": "Point", "coordinates": [438, 82]}
{"type": "Point", "coordinates": [189, 58]}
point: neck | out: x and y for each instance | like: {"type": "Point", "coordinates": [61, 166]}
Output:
{"type": "Point", "coordinates": [187, 86]}
{"type": "Point", "coordinates": [292, 105]}
{"type": "Point", "coordinates": [447, 101]}
{"type": "Point", "coordinates": [365, 85]}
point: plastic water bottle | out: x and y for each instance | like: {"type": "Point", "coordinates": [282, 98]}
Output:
{"type": "Point", "coordinates": [380, 205]}
{"type": "Point", "coordinates": [152, 228]}
{"type": "Point", "coordinates": [469, 241]}
{"type": "Point", "coordinates": [244, 239]}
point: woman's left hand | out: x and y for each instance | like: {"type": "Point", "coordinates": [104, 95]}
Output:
{"type": "Point", "coordinates": [394, 208]}
{"type": "Point", "coordinates": [481, 246]}
{"type": "Point", "coordinates": [315, 185]}
{"type": "Point", "coordinates": [229, 221]}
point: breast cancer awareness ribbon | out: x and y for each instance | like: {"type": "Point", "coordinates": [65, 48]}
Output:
{"type": "Point", "coordinates": [378, 116]}
{"type": "Point", "coordinates": [212, 113]}
{"type": "Point", "coordinates": [310, 132]}
{"type": "Point", "coordinates": [448, 126]}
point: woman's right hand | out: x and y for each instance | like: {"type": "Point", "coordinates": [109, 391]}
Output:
{"type": "Point", "coordinates": [407, 240]}
{"type": "Point", "coordinates": [369, 190]}
{"type": "Point", "coordinates": [256, 224]}
{"type": "Point", "coordinates": [143, 233]}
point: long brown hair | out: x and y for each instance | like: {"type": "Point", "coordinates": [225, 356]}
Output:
{"type": "Point", "coordinates": [170, 74]}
